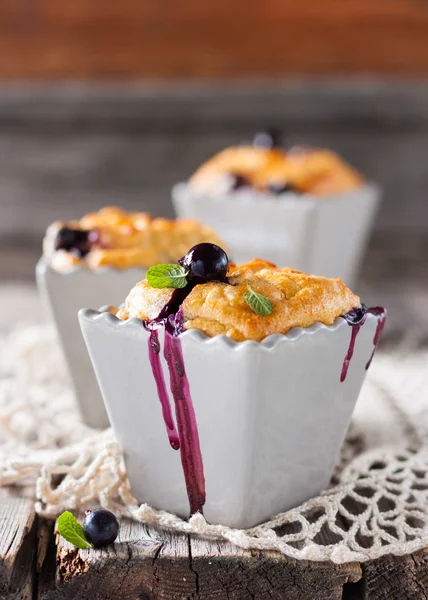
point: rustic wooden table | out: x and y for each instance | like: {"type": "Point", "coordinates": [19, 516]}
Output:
{"type": "Point", "coordinates": [146, 563]}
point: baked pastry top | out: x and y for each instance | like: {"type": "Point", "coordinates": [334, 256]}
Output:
{"type": "Point", "coordinates": [298, 300]}
{"type": "Point", "coordinates": [120, 239]}
{"type": "Point", "coordinates": [276, 171]}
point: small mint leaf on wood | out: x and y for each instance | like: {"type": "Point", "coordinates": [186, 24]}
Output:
{"type": "Point", "coordinates": [164, 276]}
{"type": "Point", "coordinates": [258, 303]}
{"type": "Point", "coordinates": [72, 531]}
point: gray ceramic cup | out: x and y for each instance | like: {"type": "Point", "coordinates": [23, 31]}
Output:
{"type": "Point", "coordinates": [323, 235]}
{"type": "Point", "coordinates": [64, 294]}
{"type": "Point", "coordinates": [271, 416]}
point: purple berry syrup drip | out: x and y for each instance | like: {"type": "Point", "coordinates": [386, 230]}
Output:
{"type": "Point", "coordinates": [356, 318]}
{"type": "Point", "coordinates": [204, 262]}
{"type": "Point", "coordinates": [187, 438]}
{"type": "Point", "coordinates": [380, 313]}
{"type": "Point", "coordinates": [190, 450]}
{"type": "Point", "coordinates": [154, 358]}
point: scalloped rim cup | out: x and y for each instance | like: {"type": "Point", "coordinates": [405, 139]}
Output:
{"type": "Point", "coordinates": [271, 415]}
{"type": "Point", "coordinates": [288, 229]}
{"type": "Point", "coordinates": [64, 294]}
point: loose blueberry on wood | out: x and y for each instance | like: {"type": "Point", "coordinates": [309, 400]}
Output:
{"type": "Point", "coordinates": [205, 262]}
{"type": "Point", "coordinates": [100, 527]}
{"type": "Point", "coordinates": [73, 240]}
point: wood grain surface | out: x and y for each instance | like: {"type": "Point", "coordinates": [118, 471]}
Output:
{"type": "Point", "coordinates": [151, 564]}
{"type": "Point", "coordinates": [68, 149]}
{"type": "Point", "coordinates": [47, 39]}
{"type": "Point", "coordinates": [18, 545]}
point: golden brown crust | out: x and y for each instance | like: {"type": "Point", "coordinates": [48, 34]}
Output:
{"type": "Point", "coordinates": [318, 172]}
{"type": "Point", "coordinates": [128, 240]}
{"type": "Point", "coordinates": [299, 300]}
{"type": "Point", "coordinates": [144, 302]}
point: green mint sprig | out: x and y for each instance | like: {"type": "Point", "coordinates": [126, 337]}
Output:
{"type": "Point", "coordinates": [258, 303]}
{"type": "Point", "coordinates": [72, 531]}
{"type": "Point", "coordinates": [164, 276]}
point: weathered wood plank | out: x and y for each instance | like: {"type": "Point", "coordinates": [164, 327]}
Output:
{"type": "Point", "coordinates": [396, 577]}
{"type": "Point", "coordinates": [163, 565]}
{"type": "Point", "coordinates": [128, 568]}
{"type": "Point", "coordinates": [153, 564]}
{"type": "Point", "coordinates": [18, 545]}
{"type": "Point", "coordinates": [147, 563]}
{"type": "Point", "coordinates": [224, 571]}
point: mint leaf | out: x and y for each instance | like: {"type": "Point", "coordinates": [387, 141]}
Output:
{"type": "Point", "coordinates": [72, 531]}
{"type": "Point", "coordinates": [258, 303]}
{"type": "Point", "coordinates": [163, 276]}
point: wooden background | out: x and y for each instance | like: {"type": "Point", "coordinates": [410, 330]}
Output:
{"type": "Point", "coordinates": [113, 102]}
{"type": "Point", "coordinates": [89, 39]}
{"type": "Point", "coordinates": [66, 149]}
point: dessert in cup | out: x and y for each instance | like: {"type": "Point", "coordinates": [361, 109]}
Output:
{"type": "Point", "coordinates": [94, 261]}
{"type": "Point", "coordinates": [263, 366]}
{"type": "Point", "coordinates": [300, 206]}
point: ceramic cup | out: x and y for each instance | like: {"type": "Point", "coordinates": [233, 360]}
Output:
{"type": "Point", "coordinates": [322, 235]}
{"type": "Point", "coordinates": [64, 294]}
{"type": "Point", "coordinates": [270, 417]}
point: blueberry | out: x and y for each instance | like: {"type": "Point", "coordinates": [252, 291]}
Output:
{"type": "Point", "coordinates": [239, 181]}
{"type": "Point", "coordinates": [205, 262]}
{"type": "Point", "coordinates": [281, 188]}
{"type": "Point", "coordinates": [100, 527]}
{"type": "Point", "coordinates": [73, 240]}
{"type": "Point", "coordinates": [356, 315]}
{"type": "Point", "coordinates": [273, 138]}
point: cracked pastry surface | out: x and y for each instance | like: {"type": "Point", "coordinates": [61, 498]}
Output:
{"type": "Point", "coordinates": [299, 300]}
{"type": "Point", "coordinates": [311, 171]}
{"type": "Point", "coordinates": [123, 239]}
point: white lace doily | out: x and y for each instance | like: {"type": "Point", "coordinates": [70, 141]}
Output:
{"type": "Point", "coordinates": [377, 505]}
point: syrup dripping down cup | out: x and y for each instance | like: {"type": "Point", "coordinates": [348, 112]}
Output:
{"type": "Point", "coordinates": [63, 295]}
{"type": "Point", "coordinates": [271, 416]}
{"type": "Point", "coordinates": [324, 235]}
